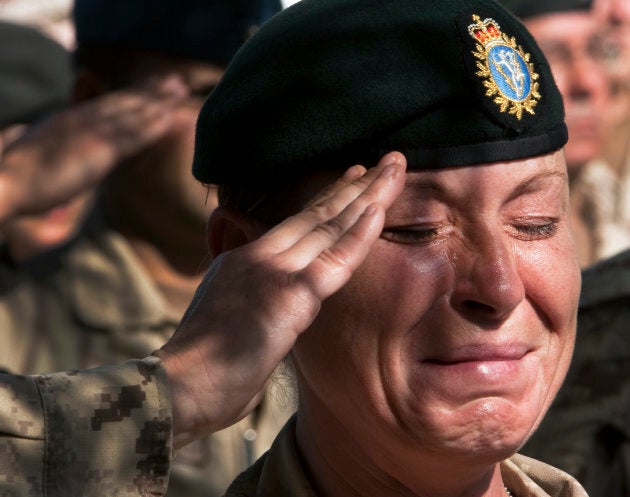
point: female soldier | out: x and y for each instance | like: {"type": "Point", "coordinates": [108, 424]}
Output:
{"type": "Point", "coordinates": [435, 309]}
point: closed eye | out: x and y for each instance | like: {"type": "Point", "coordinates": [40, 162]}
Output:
{"type": "Point", "coordinates": [410, 234]}
{"type": "Point", "coordinates": [536, 231]}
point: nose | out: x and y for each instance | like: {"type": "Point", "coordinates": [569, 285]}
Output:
{"type": "Point", "coordinates": [488, 286]}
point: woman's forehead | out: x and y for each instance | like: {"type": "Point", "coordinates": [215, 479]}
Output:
{"type": "Point", "coordinates": [548, 164]}
{"type": "Point", "coordinates": [505, 179]}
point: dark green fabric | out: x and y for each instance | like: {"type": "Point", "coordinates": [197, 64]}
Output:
{"type": "Point", "coordinates": [35, 75]}
{"type": "Point", "coordinates": [209, 30]}
{"type": "Point", "coordinates": [329, 83]}
{"type": "Point", "coordinates": [530, 8]}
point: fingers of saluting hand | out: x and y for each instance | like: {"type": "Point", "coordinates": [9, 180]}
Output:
{"type": "Point", "coordinates": [128, 119]}
{"type": "Point", "coordinates": [322, 245]}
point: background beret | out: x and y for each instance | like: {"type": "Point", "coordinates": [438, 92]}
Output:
{"type": "Point", "coordinates": [531, 8]}
{"type": "Point", "coordinates": [209, 30]}
{"type": "Point", "coordinates": [330, 83]}
{"type": "Point", "coordinates": [35, 74]}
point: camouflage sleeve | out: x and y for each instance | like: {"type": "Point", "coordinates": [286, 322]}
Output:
{"type": "Point", "coordinates": [104, 431]}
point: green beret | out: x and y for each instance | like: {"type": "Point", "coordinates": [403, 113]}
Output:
{"type": "Point", "coordinates": [331, 83]}
{"type": "Point", "coordinates": [35, 75]}
{"type": "Point", "coordinates": [208, 30]}
{"type": "Point", "coordinates": [531, 8]}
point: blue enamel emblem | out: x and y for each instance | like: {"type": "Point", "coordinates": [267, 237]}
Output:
{"type": "Point", "coordinates": [509, 72]}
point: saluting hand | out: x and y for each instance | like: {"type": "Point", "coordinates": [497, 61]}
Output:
{"type": "Point", "coordinates": [73, 150]}
{"type": "Point", "coordinates": [256, 299]}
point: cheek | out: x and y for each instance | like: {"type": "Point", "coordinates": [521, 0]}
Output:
{"type": "Point", "coordinates": [361, 331]}
{"type": "Point", "coordinates": [551, 275]}
{"type": "Point", "coordinates": [553, 286]}
{"type": "Point", "coordinates": [394, 288]}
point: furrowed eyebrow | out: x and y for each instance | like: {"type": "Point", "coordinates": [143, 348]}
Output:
{"type": "Point", "coordinates": [436, 188]}
{"type": "Point", "coordinates": [428, 184]}
{"type": "Point", "coordinates": [531, 184]}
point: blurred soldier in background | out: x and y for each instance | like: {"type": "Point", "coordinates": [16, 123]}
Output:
{"type": "Point", "coordinates": [40, 131]}
{"type": "Point", "coordinates": [614, 17]}
{"type": "Point", "coordinates": [119, 289]}
{"type": "Point", "coordinates": [35, 80]}
{"type": "Point", "coordinates": [573, 42]}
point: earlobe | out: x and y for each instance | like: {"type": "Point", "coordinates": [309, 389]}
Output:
{"type": "Point", "coordinates": [229, 229]}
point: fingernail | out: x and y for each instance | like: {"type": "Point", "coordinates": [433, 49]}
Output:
{"type": "Point", "coordinates": [355, 172]}
{"type": "Point", "coordinates": [391, 158]}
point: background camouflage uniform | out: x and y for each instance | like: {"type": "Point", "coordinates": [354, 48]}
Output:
{"type": "Point", "coordinates": [93, 304]}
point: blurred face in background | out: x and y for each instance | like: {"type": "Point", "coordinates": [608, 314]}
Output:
{"type": "Point", "coordinates": [160, 175]}
{"type": "Point", "coordinates": [30, 235]}
{"type": "Point", "coordinates": [614, 19]}
{"type": "Point", "coordinates": [573, 44]}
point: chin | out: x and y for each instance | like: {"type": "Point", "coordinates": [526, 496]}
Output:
{"type": "Point", "coordinates": [491, 429]}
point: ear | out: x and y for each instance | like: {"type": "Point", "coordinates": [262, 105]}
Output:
{"type": "Point", "coordinates": [229, 229]}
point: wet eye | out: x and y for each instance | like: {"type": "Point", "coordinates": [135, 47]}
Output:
{"type": "Point", "coordinates": [410, 234]}
{"type": "Point", "coordinates": [534, 231]}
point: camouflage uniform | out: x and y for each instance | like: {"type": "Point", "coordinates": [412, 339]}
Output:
{"type": "Point", "coordinates": [100, 432]}
{"type": "Point", "coordinates": [280, 474]}
{"type": "Point", "coordinates": [589, 422]}
{"type": "Point", "coordinates": [93, 304]}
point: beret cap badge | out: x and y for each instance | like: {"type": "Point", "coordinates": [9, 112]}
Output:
{"type": "Point", "coordinates": [508, 75]}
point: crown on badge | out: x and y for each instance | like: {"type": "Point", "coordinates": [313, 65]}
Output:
{"type": "Point", "coordinates": [506, 70]}
{"type": "Point", "coordinates": [485, 31]}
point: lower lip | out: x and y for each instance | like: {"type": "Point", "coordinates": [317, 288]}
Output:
{"type": "Point", "coordinates": [474, 378]}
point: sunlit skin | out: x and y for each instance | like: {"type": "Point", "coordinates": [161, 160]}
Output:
{"type": "Point", "coordinates": [572, 43]}
{"type": "Point", "coordinates": [30, 235]}
{"type": "Point", "coordinates": [451, 339]}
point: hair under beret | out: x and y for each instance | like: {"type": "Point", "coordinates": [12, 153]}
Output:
{"type": "Point", "coordinates": [35, 74]}
{"type": "Point", "coordinates": [331, 83]}
{"type": "Point", "coordinates": [209, 30]}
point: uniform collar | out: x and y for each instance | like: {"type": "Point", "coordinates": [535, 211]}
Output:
{"type": "Point", "coordinates": [279, 473]}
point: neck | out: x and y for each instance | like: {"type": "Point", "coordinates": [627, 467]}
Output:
{"type": "Point", "coordinates": [176, 237]}
{"type": "Point", "coordinates": [342, 463]}
{"type": "Point", "coordinates": [177, 285]}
